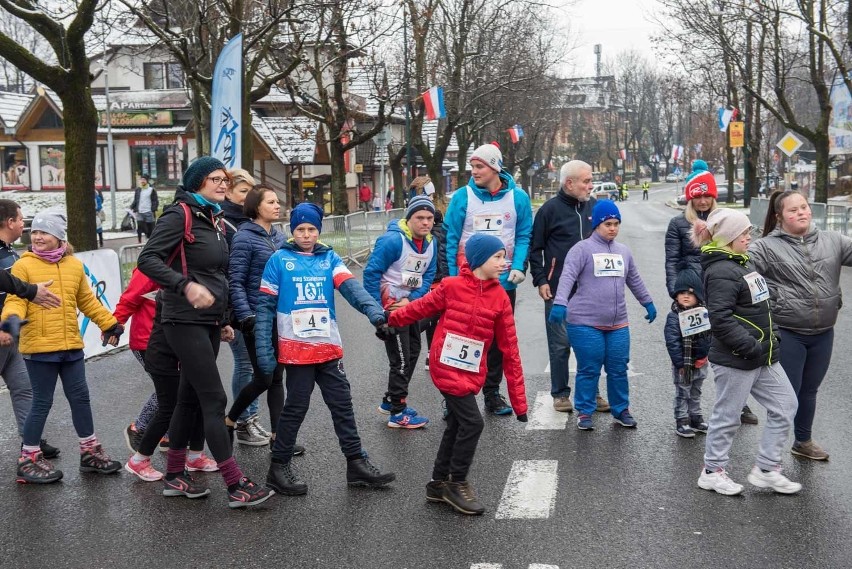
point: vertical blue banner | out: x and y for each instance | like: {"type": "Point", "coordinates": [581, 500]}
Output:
{"type": "Point", "coordinates": [226, 117]}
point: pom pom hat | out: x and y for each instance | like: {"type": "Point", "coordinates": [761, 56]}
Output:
{"type": "Point", "coordinates": [604, 210]}
{"type": "Point", "coordinates": [701, 182]}
{"type": "Point", "coordinates": [722, 227]}
{"type": "Point", "coordinates": [479, 249]}
{"type": "Point", "coordinates": [490, 155]}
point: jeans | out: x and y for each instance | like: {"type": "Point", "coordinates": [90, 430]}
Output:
{"type": "Point", "coordinates": [494, 375]}
{"type": "Point", "coordinates": [594, 349]}
{"type": "Point", "coordinates": [402, 349]}
{"type": "Point", "coordinates": [458, 445]}
{"type": "Point", "coordinates": [243, 373]}
{"type": "Point", "coordinates": [805, 360]}
{"type": "Point", "coordinates": [770, 386]}
{"type": "Point", "coordinates": [559, 350]}
{"type": "Point", "coordinates": [15, 375]}
{"type": "Point", "coordinates": [687, 399]}
{"type": "Point", "coordinates": [43, 375]}
{"type": "Point", "coordinates": [331, 379]}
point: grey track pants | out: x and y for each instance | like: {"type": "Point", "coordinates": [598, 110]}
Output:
{"type": "Point", "coordinates": [14, 373]}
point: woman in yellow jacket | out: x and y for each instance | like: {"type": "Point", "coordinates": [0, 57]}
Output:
{"type": "Point", "coordinates": [53, 347]}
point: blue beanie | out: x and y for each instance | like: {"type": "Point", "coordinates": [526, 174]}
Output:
{"type": "Point", "coordinates": [306, 212]}
{"type": "Point", "coordinates": [603, 210]}
{"type": "Point", "coordinates": [200, 168]}
{"type": "Point", "coordinates": [480, 247]}
{"type": "Point", "coordinates": [419, 203]}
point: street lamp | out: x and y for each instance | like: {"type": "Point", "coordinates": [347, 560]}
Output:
{"type": "Point", "coordinates": [110, 146]}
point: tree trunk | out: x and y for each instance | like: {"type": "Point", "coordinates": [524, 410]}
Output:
{"type": "Point", "coordinates": [247, 157]}
{"type": "Point", "coordinates": [201, 118]}
{"type": "Point", "coordinates": [339, 198]}
{"type": "Point", "coordinates": [395, 161]}
{"type": "Point", "coordinates": [821, 145]}
{"type": "Point", "coordinates": [730, 173]}
{"type": "Point", "coordinates": [81, 131]}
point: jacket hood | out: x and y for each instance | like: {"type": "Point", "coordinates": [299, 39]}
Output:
{"type": "Point", "coordinates": [401, 226]}
{"type": "Point", "coordinates": [319, 247]}
{"type": "Point", "coordinates": [182, 196]}
{"type": "Point", "coordinates": [508, 186]}
{"type": "Point", "coordinates": [809, 237]}
{"type": "Point", "coordinates": [712, 254]}
{"type": "Point", "coordinates": [466, 273]}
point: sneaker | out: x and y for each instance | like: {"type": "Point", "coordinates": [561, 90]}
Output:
{"type": "Point", "coordinates": [461, 497]}
{"type": "Point", "coordinates": [602, 404]}
{"type": "Point", "coordinates": [497, 405]}
{"type": "Point", "coordinates": [164, 443]}
{"type": "Point", "coordinates": [201, 464]}
{"type": "Point", "coordinates": [184, 485]}
{"type": "Point", "coordinates": [263, 432]}
{"type": "Point", "coordinates": [386, 407]}
{"type": "Point", "coordinates": [249, 434]}
{"type": "Point", "coordinates": [625, 419]}
{"type": "Point", "coordinates": [96, 460]}
{"type": "Point", "coordinates": [247, 494]}
{"type": "Point", "coordinates": [403, 421]}
{"type": "Point", "coordinates": [435, 491]}
{"type": "Point", "coordinates": [773, 479]}
{"type": "Point", "coordinates": [748, 417]}
{"type": "Point", "coordinates": [3, 388]}
{"type": "Point", "coordinates": [426, 363]}
{"type": "Point", "coordinates": [49, 451]}
{"type": "Point", "coordinates": [361, 472]}
{"type": "Point", "coordinates": [584, 423]}
{"type": "Point", "coordinates": [563, 404]}
{"type": "Point", "coordinates": [683, 429]}
{"type": "Point", "coordinates": [719, 482]}
{"type": "Point", "coordinates": [132, 437]}
{"type": "Point", "coordinates": [283, 479]}
{"type": "Point", "coordinates": [143, 470]}
{"type": "Point", "coordinates": [698, 425]}
{"type": "Point", "coordinates": [34, 469]}
{"type": "Point", "coordinates": [809, 449]}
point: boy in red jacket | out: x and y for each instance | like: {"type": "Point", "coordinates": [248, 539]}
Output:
{"type": "Point", "coordinates": [475, 311]}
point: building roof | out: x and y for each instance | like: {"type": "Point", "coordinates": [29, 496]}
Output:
{"type": "Point", "coordinates": [589, 93]}
{"type": "Point", "coordinates": [12, 105]}
{"type": "Point", "coordinates": [292, 140]}
{"type": "Point", "coordinates": [429, 133]}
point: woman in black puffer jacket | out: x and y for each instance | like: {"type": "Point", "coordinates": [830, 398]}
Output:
{"type": "Point", "coordinates": [193, 273]}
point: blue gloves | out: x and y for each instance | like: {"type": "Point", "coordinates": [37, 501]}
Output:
{"type": "Point", "coordinates": [652, 312]}
{"type": "Point", "coordinates": [558, 314]}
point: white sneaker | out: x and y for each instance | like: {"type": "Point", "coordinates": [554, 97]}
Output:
{"type": "Point", "coordinates": [719, 482]}
{"type": "Point", "coordinates": [773, 479]}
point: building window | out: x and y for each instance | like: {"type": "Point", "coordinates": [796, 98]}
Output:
{"type": "Point", "coordinates": [163, 76]}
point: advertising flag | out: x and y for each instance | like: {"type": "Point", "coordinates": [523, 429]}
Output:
{"type": "Point", "coordinates": [433, 99]}
{"type": "Point", "coordinates": [225, 122]}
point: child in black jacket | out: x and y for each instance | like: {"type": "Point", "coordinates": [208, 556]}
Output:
{"type": "Point", "coordinates": [688, 342]}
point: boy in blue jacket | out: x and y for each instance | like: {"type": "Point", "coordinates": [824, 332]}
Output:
{"type": "Point", "coordinates": [687, 334]}
{"type": "Point", "coordinates": [400, 270]}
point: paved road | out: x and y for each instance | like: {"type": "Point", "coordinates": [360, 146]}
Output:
{"type": "Point", "coordinates": [610, 497]}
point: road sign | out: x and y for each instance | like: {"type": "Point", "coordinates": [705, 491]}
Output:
{"type": "Point", "coordinates": [359, 168]}
{"type": "Point", "coordinates": [736, 131]}
{"type": "Point", "coordinates": [789, 144]}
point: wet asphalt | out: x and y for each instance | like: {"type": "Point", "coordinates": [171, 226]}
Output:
{"type": "Point", "coordinates": [626, 498]}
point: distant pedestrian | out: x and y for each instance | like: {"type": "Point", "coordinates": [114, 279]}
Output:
{"type": "Point", "coordinates": [744, 356]}
{"type": "Point", "coordinates": [365, 196]}
{"type": "Point", "coordinates": [645, 187]}
{"type": "Point", "coordinates": [100, 216]}
{"type": "Point", "coordinates": [145, 205]}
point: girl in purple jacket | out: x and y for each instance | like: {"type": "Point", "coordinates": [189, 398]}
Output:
{"type": "Point", "coordinates": [590, 299]}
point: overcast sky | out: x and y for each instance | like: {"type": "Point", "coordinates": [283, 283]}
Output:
{"type": "Point", "coordinates": [618, 25]}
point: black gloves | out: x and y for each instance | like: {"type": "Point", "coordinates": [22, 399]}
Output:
{"type": "Point", "coordinates": [247, 324]}
{"type": "Point", "coordinates": [12, 326]}
{"type": "Point", "coordinates": [522, 418]}
{"type": "Point", "coordinates": [385, 333]}
{"type": "Point", "coordinates": [114, 332]}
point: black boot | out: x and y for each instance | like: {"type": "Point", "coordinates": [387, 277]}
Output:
{"type": "Point", "coordinates": [360, 472]}
{"type": "Point", "coordinates": [461, 497]}
{"type": "Point", "coordinates": [283, 480]}
{"type": "Point", "coordinates": [49, 451]}
{"type": "Point", "coordinates": [748, 417]}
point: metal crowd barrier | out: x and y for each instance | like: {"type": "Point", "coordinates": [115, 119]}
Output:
{"type": "Point", "coordinates": [127, 256]}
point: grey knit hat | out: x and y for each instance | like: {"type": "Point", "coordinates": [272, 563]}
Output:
{"type": "Point", "coordinates": [51, 222]}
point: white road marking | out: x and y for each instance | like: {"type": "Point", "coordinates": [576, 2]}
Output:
{"type": "Point", "coordinates": [543, 417]}
{"type": "Point", "coordinates": [542, 566]}
{"type": "Point", "coordinates": [530, 491]}
{"type": "Point", "coordinates": [486, 566]}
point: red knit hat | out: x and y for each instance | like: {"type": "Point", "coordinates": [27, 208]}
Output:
{"type": "Point", "coordinates": [701, 182]}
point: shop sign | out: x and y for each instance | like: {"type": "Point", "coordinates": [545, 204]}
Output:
{"type": "Point", "coordinates": [138, 118]}
{"type": "Point", "coordinates": [152, 142]}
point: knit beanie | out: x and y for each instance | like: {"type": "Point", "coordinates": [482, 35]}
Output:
{"type": "Point", "coordinates": [306, 212]}
{"type": "Point", "coordinates": [722, 226]}
{"type": "Point", "coordinates": [490, 155]}
{"type": "Point", "coordinates": [480, 247]}
{"type": "Point", "coordinates": [419, 203]}
{"type": "Point", "coordinates": [688, 281]}
{"type": "Point", "coordinates": [200, 168]}
{"type": "Point", "coordinates": [604, 210]}
{"type": "Point", "coordinates": [51, 222]}
{"type": "Point", "coordinates": [700, 182]}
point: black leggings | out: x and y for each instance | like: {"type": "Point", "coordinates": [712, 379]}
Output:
{"type": "Point", "coordinates": [272, 383]}
{"type": "Point", "coordinates": [805, 360]}
{"type": "Point", "coordinates": [196, 347]}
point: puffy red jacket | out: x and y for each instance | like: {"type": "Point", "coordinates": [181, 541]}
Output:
{"type": "Point", "coordinates": [477, 309]}
{"type": "Point", "coordinates": [138, 301]}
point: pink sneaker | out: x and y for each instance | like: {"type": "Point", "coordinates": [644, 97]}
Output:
{"type": "Point", "coordinates": [143, 470]}
{"type": "Point", "coordinates": [202, 464]}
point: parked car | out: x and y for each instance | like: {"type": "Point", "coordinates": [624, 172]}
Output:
{"type": "Point", "coordinates": [605, 191]}
{"type": "Point", "coordinates": [671, 178]}
{"type": "Point", "coordinates": [739, 192]}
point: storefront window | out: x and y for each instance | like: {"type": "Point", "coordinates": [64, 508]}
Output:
{"type": "Point", "coordinates": [157, 160]}
{"type": "Point", "coordinates": [52, 160]}
{"type": "Point", "coordinates": [15, 170]}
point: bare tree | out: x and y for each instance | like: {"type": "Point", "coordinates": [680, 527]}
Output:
{"type": "Point", "coordinates": [14, 79]}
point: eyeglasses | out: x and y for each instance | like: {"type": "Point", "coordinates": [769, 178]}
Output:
{"type": "Point", "coordinates": [219, 179]}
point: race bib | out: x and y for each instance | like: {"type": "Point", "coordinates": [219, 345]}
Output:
{"type": "Point", "coordinates": [608, 265]}
{"type": "Point", "coordinates": [311, 322]}
{"type": "Point", "coordinates": [488, 223]}
{"type": "Point", "coordinates": [461, 353]}
{"type": "Point", "coordinates": [757, 286]}
{"type": "Point", "coordinates": [694, 321]}
{"type": "Point", "coordinates": [412, 270]}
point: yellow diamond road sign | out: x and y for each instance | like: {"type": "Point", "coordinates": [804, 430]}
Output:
{"type": "Point", "coordinates": [789, 144]}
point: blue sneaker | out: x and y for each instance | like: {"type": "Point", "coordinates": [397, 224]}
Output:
{"type": "Point", "coordinates": [385, 409]}
{"type": "Point", "coordinates": [584, 423]}
{"type": "Point", "coordinates": [403, 421]}
{"type": "Point", "coordinates": [625, 419]}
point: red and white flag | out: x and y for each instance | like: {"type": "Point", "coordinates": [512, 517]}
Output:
{"type": "Point", "coordinates": [677, 152]}
{"type": "Point", "coordinates": [622, 154]}
{"type": "Point", "coordinates": [433, 100]}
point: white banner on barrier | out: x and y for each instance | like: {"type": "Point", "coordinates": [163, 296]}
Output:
{"type": "Point", "coordinates": [104, 277]}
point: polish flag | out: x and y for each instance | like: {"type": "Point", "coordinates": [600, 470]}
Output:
{"type": "Point", "coordinates": [677, 152]}
{"type": "Point", "coordinates": [433, 99]}
{"type": "Point", "coordinates": [516, 133]}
